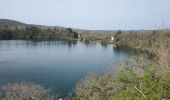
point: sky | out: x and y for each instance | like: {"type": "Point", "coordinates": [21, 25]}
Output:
{"type": "Point", "coordinates": [90, 14]}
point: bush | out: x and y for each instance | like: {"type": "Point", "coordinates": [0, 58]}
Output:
{"type": "Point", "coordinates": [24, 91]}
{"type": "Point", "coordinates": [136, 79]}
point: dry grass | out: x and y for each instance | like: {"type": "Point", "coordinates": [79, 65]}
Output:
{"type": "Point", "coordinates": [24, 91]}
{"type": "Point", "coordinates": [163, 54]}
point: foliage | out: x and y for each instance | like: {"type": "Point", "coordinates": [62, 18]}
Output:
{"type": "Point", "coordinates": [156, 42]}
{"type": "Point", "coordinates": [142, 83]}
{"type": "Point", "coordinates": [144, 40]}
{"type": "Point", "coordinates": [36, 32]}
{"type": "Point", "coordinates": [136, 79]}
{"type": "Point", "coordinates": [24, 91]}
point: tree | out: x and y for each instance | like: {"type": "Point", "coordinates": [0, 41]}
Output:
{"type": "Point", "coordinates": [69, 30]}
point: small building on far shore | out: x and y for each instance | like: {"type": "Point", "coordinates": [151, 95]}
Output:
{"type": "Point", "coordinates": [112, 38]}
{"type": "Point", "coordinates": [79, 35]}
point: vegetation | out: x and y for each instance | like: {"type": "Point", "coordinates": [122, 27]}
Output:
{"type": "Point", "coordinates": [24, 91]}
{"type": "Point", "coordinates": [156, 42]}
{"type": "Point", "coordinates": [145, 40]}
{"type": "Point", "coordinates": [102, 36]}
{"type": "Point", "coordinates": [140, 78]}
{"type": "Point", "coordinates": [36, 33]}
{"type": "Point", "coordinates": [137, 79]}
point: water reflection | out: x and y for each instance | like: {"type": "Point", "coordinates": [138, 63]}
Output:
{"type": "Point", "coordinates": [104, 45]}
{"type": "Point", "coordinates": [123, 50]}
{"type": "Point", "coordinates": [89, 44]}
{"type": "Point", "coordinates": [35, 44]}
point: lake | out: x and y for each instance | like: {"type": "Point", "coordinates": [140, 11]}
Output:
{"type": "Point", "coordinates": [58, 65]}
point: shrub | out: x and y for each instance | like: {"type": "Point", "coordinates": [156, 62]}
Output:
{"type": "Point", "coordinates": [24, 91]}
{"type": "Point", "coordinates": [136, 79]}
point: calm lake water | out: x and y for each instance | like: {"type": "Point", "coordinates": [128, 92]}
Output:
{"type": "Point", "coordinates": [55, 64]}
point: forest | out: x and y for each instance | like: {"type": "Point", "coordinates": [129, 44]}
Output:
{"type": "Point", "coordinates": [36, 33]}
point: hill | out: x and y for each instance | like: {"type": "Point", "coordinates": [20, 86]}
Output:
{"type": "Point", "coordinates": [7, 22]}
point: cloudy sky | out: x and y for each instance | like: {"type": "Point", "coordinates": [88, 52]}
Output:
{"type": "Point", "coordinates": [90, 14]}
